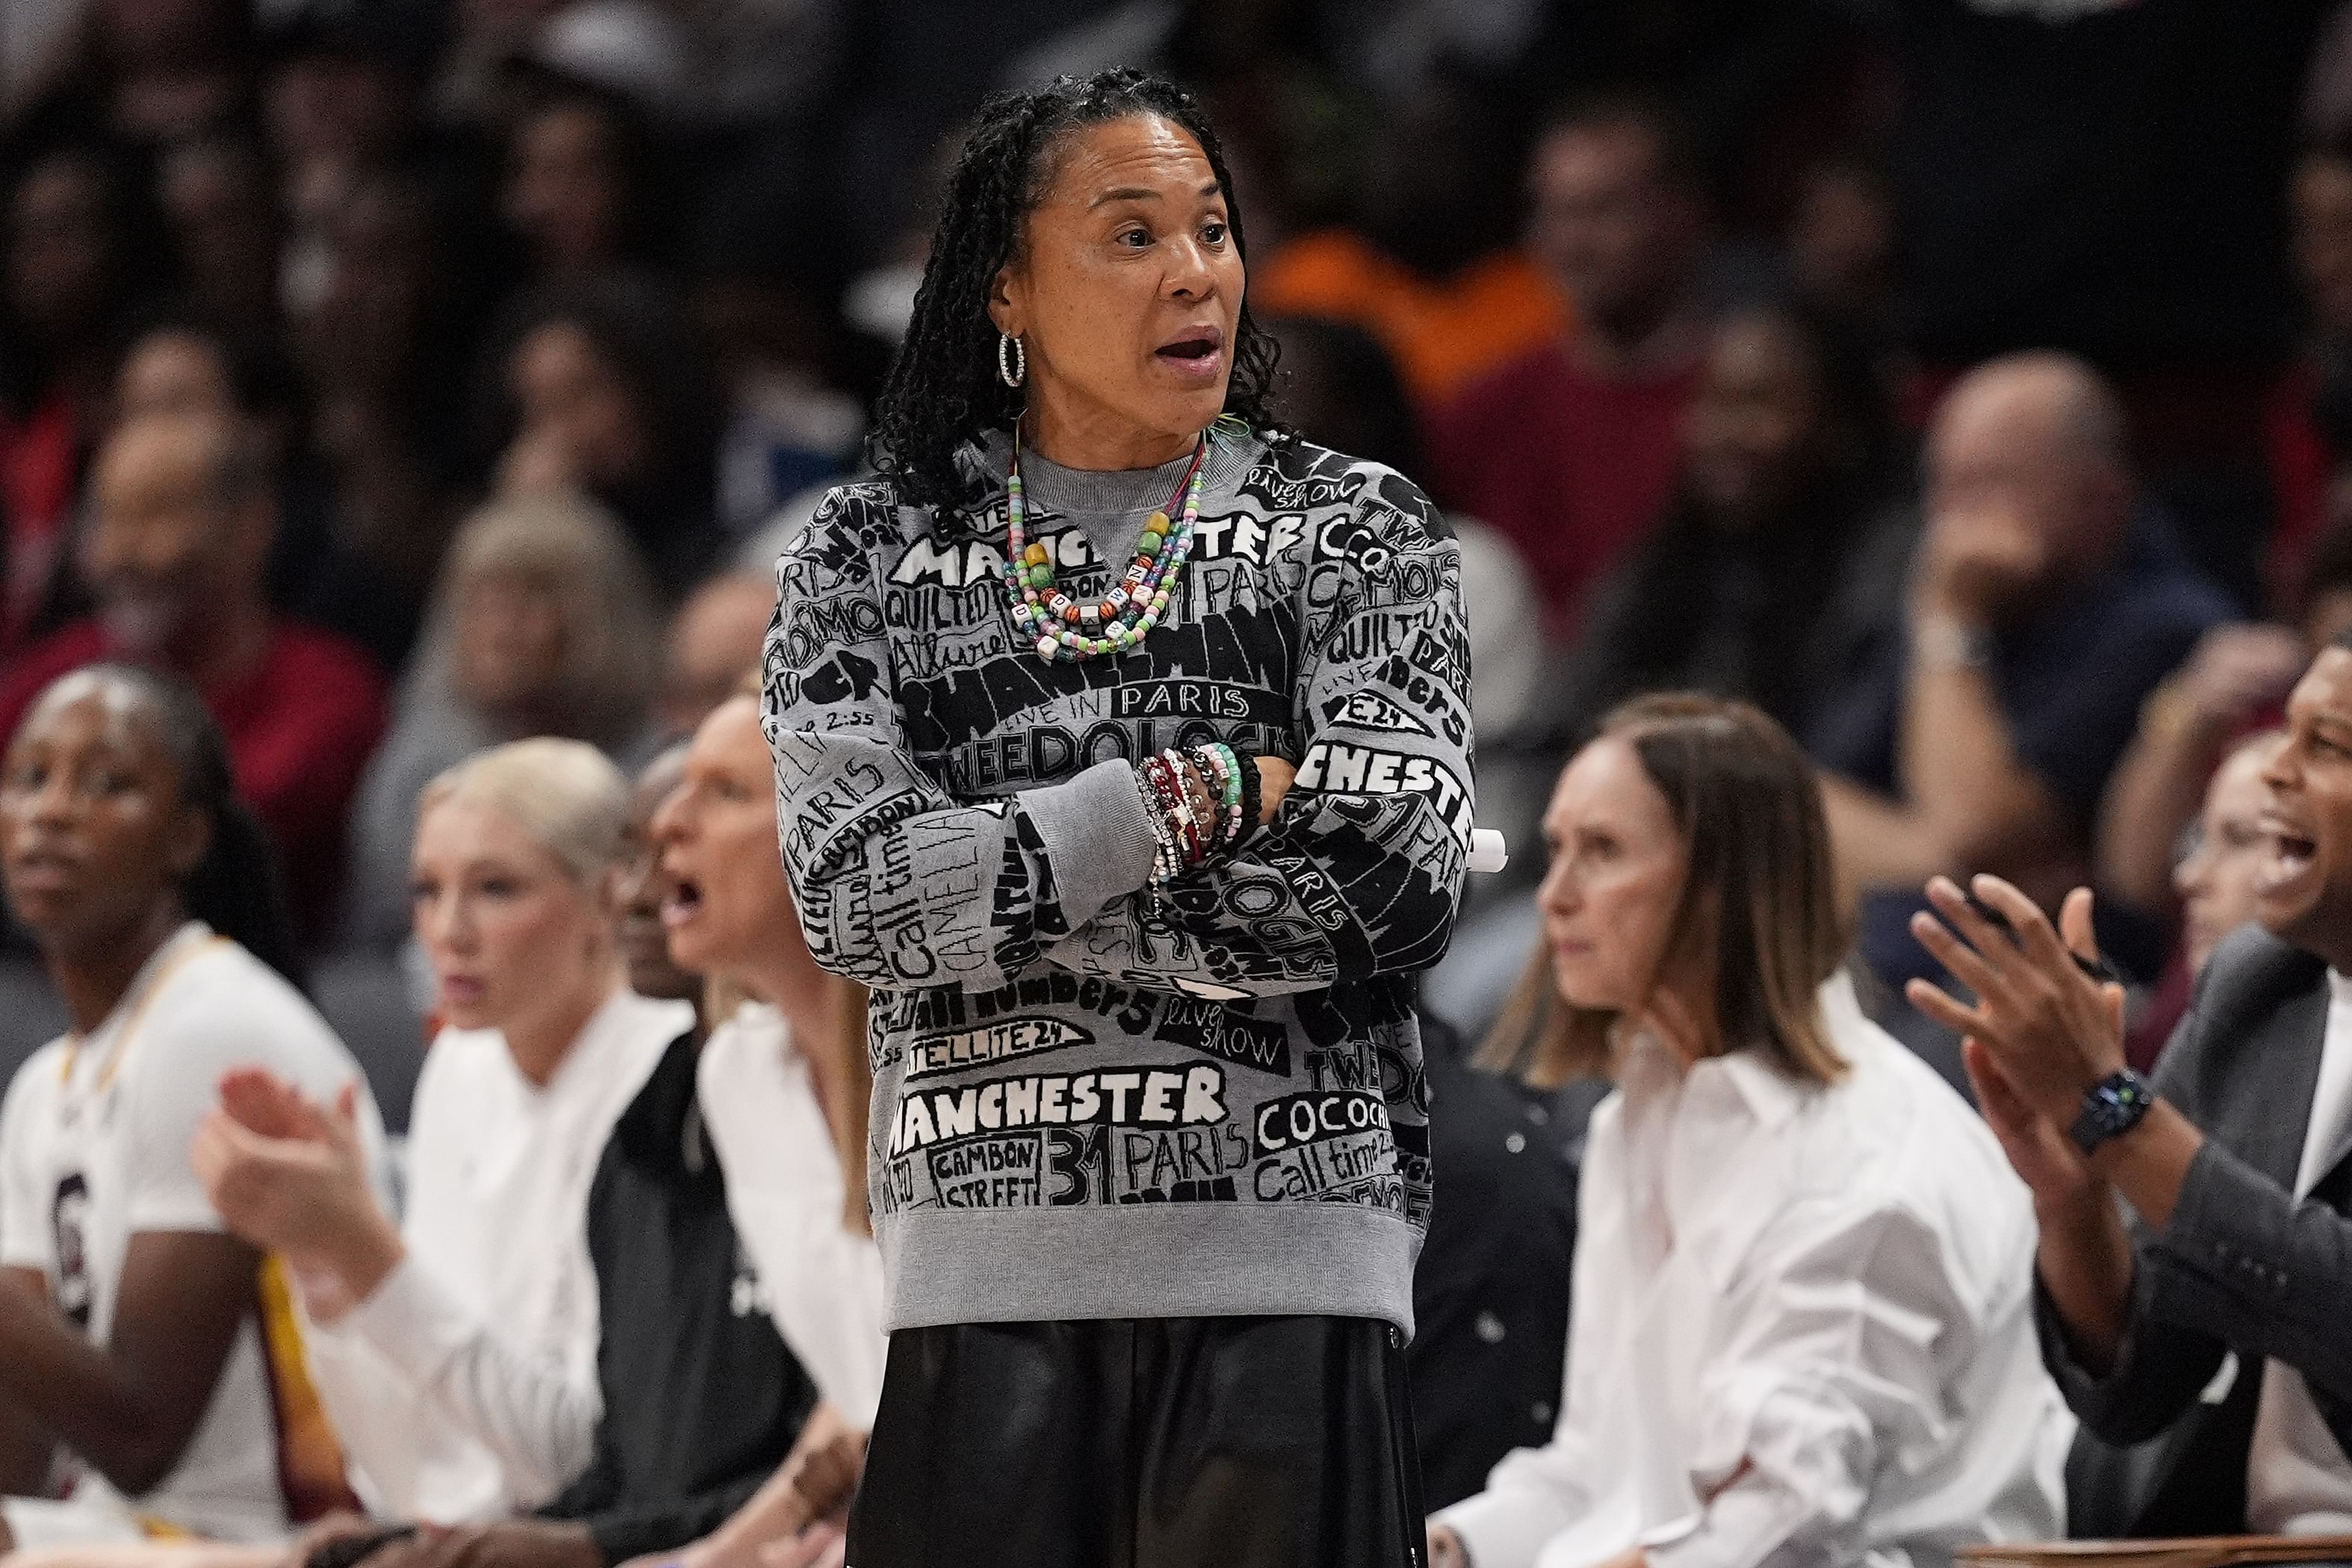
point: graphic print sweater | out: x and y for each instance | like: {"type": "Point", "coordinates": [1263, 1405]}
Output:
{"type": "Point", "coordinates": [1091, 1101]}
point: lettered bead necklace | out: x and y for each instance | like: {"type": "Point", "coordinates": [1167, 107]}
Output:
{"type": "Point", "coordinates": [1067, 630]}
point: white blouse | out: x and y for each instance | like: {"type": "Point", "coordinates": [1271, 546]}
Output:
{"type": "Point", "coordinates": [1802, 1330]}
{"type": "Point", "coordinates": [464, 1387]}
{"type": "Point", "coordinates": [784, 1191]}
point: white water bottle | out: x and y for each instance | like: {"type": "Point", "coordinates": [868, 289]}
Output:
{"type": "Point", "coordinates": [1489, 854]}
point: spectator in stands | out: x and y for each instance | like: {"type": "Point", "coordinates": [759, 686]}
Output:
{"type": "Point", "coordinates": [148, 74]}
{"type": "Point", "coordinates": [578, 181]}
{"type": "Point", "coordinates": [342, 101]}
{"type": "Point", "coordinates": [2216, 880]}
{"type": "Point", "coordinates": [1769, 571]}
{"type": "Point", "coordinates": [2309, 427]}
{"type": "Point", "coordinates": [385, 346]}
{"type": "Point", "coordinates": [1801, 1328]}
{"type": "Point", "coordinates": [134, 1330]}
{"type": "Point", "coordinates": [2023, 230]}
{"type": "Point", "coordinates": [600, 386]}
{"type": "Point", "coordinates": [1840, 243]}
{"type": "Point", "coordinates": [543, 625]}
{"type": "Point", "coordinates": [517, 870]}
{"type": "Point", "coordinates": [2208, 1329]}
{"type": "Point", "coordinates": [2233, 683]}
{"type": "Point", "coordinates": [2219, 879]}
{"type": "Point", "coordinates": [221, 203]}
{"type": "Point", "coordinates": [187, 365]}
{"type": "Point", "coordinates": [73, 240]}
{"type": "Point", "coordinates": [183, 515]}
{"type": "Point", "coordinates": [714, 637]}
{"type": "Point", "coordinates": [1432, 267]}
{"type": "Point", "coordinates": [1570, 450]}
{"type": "Point", "coordinates": [2046, 603]}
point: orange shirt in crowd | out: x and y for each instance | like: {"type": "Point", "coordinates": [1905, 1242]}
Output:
{"type": "Point", "coordinates": [1442, 335]}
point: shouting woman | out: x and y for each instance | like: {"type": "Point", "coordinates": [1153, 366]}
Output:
{"type": "Point", "coordinates": [1122, 747]}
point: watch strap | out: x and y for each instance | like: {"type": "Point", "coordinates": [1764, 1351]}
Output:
{"type": "Point", "coordinates": [2111, 1107]}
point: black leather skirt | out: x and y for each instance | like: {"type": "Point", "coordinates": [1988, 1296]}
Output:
{"type": "Point", "coordinates": [1142, 1443]}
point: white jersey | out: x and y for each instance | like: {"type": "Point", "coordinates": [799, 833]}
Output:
{"type": "Point", "coordinates": [94, 1149]}
{"type": "Point", "coordinates": [498, 1195]}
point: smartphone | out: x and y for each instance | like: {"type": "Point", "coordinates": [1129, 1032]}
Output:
{"type": "Point", "coordinates": [2098, 969]}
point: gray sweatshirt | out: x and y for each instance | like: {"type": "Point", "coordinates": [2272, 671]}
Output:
{"type": "Point", "coordinates": [1090, 1103]}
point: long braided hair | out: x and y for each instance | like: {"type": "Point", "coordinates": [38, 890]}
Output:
{"type": "Point", "coordinates": [943, 390]}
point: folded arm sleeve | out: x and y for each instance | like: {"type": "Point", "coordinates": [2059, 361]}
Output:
{"type": "Point", "coordinates": [898, 884]}
{"type": "Point", "coordinates": [540, 1423]}
{"type": "Point", "coordinates": [1360, 872]}
{"type": "Point", "coordinates": [1836, 1367]}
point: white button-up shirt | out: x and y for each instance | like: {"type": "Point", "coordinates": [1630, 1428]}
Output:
{"type": "Point", "coordinates": [1802, 1330]}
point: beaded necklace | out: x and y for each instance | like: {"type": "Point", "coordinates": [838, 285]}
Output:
{"type": "Point", "coordinates": [1068, 631]}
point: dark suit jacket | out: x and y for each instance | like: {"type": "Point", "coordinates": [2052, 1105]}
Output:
{"type": "Point", "coordinates": [2242, 1267]}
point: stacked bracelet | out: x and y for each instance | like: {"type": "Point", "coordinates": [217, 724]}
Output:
{"type": "Point", "coordinates": [1222, 769]}
{"type": "Point", "coordinates": [1199, 802]}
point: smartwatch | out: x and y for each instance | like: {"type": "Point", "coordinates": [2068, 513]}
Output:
{"type": "Point", "coordinates": [2111, 1107]}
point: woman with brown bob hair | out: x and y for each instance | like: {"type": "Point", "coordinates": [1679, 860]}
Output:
{"type": "Point", "coordinates": [1802, 1324]}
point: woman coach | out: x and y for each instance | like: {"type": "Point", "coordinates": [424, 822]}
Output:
{"type": "Point", "coordinates": [1148, 1151]}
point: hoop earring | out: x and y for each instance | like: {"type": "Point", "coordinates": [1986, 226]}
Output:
{"type": "Point", "coordinates": [1013, 371]}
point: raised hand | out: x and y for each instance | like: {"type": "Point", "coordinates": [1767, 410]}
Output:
{"type": "Point", "coordinates": [300, 1191]}
{"type": "Point", "coordinates": [2051, 1030]}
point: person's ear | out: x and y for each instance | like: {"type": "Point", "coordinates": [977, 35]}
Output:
{"type": "Point", "coordinates": [1008, 301]}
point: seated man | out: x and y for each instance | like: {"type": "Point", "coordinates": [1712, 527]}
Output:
{"type": "Point", "coordinates": [2211, 1329]}
{"type": "Point", "coordinates": [2047, 603]}
{"type": "Point", "coordinates": [178, 555]}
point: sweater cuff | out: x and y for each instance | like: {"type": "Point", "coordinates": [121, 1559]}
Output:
{"type": "Point", "coordinates": [413, 1321]}
{"type": "Point", "coordinates": [1096, 835]}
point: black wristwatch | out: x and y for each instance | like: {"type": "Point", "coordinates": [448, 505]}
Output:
{"type": "Point", "coordinates": [2112, 1107]}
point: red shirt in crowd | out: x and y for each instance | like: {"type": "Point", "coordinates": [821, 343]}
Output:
{"type": "Point", "coordinates": [1571, 468]}
{"type": "Point", "coordinates": [300, 727]}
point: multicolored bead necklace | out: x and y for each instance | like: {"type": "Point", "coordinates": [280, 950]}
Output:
{"type": "Point", "coordinates": [1067, 631]}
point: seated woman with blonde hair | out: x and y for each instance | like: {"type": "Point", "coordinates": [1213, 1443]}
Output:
{"type": "Point", "coordinates": [1802, 1326]}
{"type": "Point", "coordinates": [515, 881]}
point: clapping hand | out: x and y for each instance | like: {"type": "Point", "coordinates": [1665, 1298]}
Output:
{"type": "Point", "coordinates": [292, 1178]}
{"type": "Point", "coordinates": [2041, 1031]}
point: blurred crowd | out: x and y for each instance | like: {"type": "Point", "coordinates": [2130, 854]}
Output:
{"type": "Point", "coordinates": [416, 375]}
